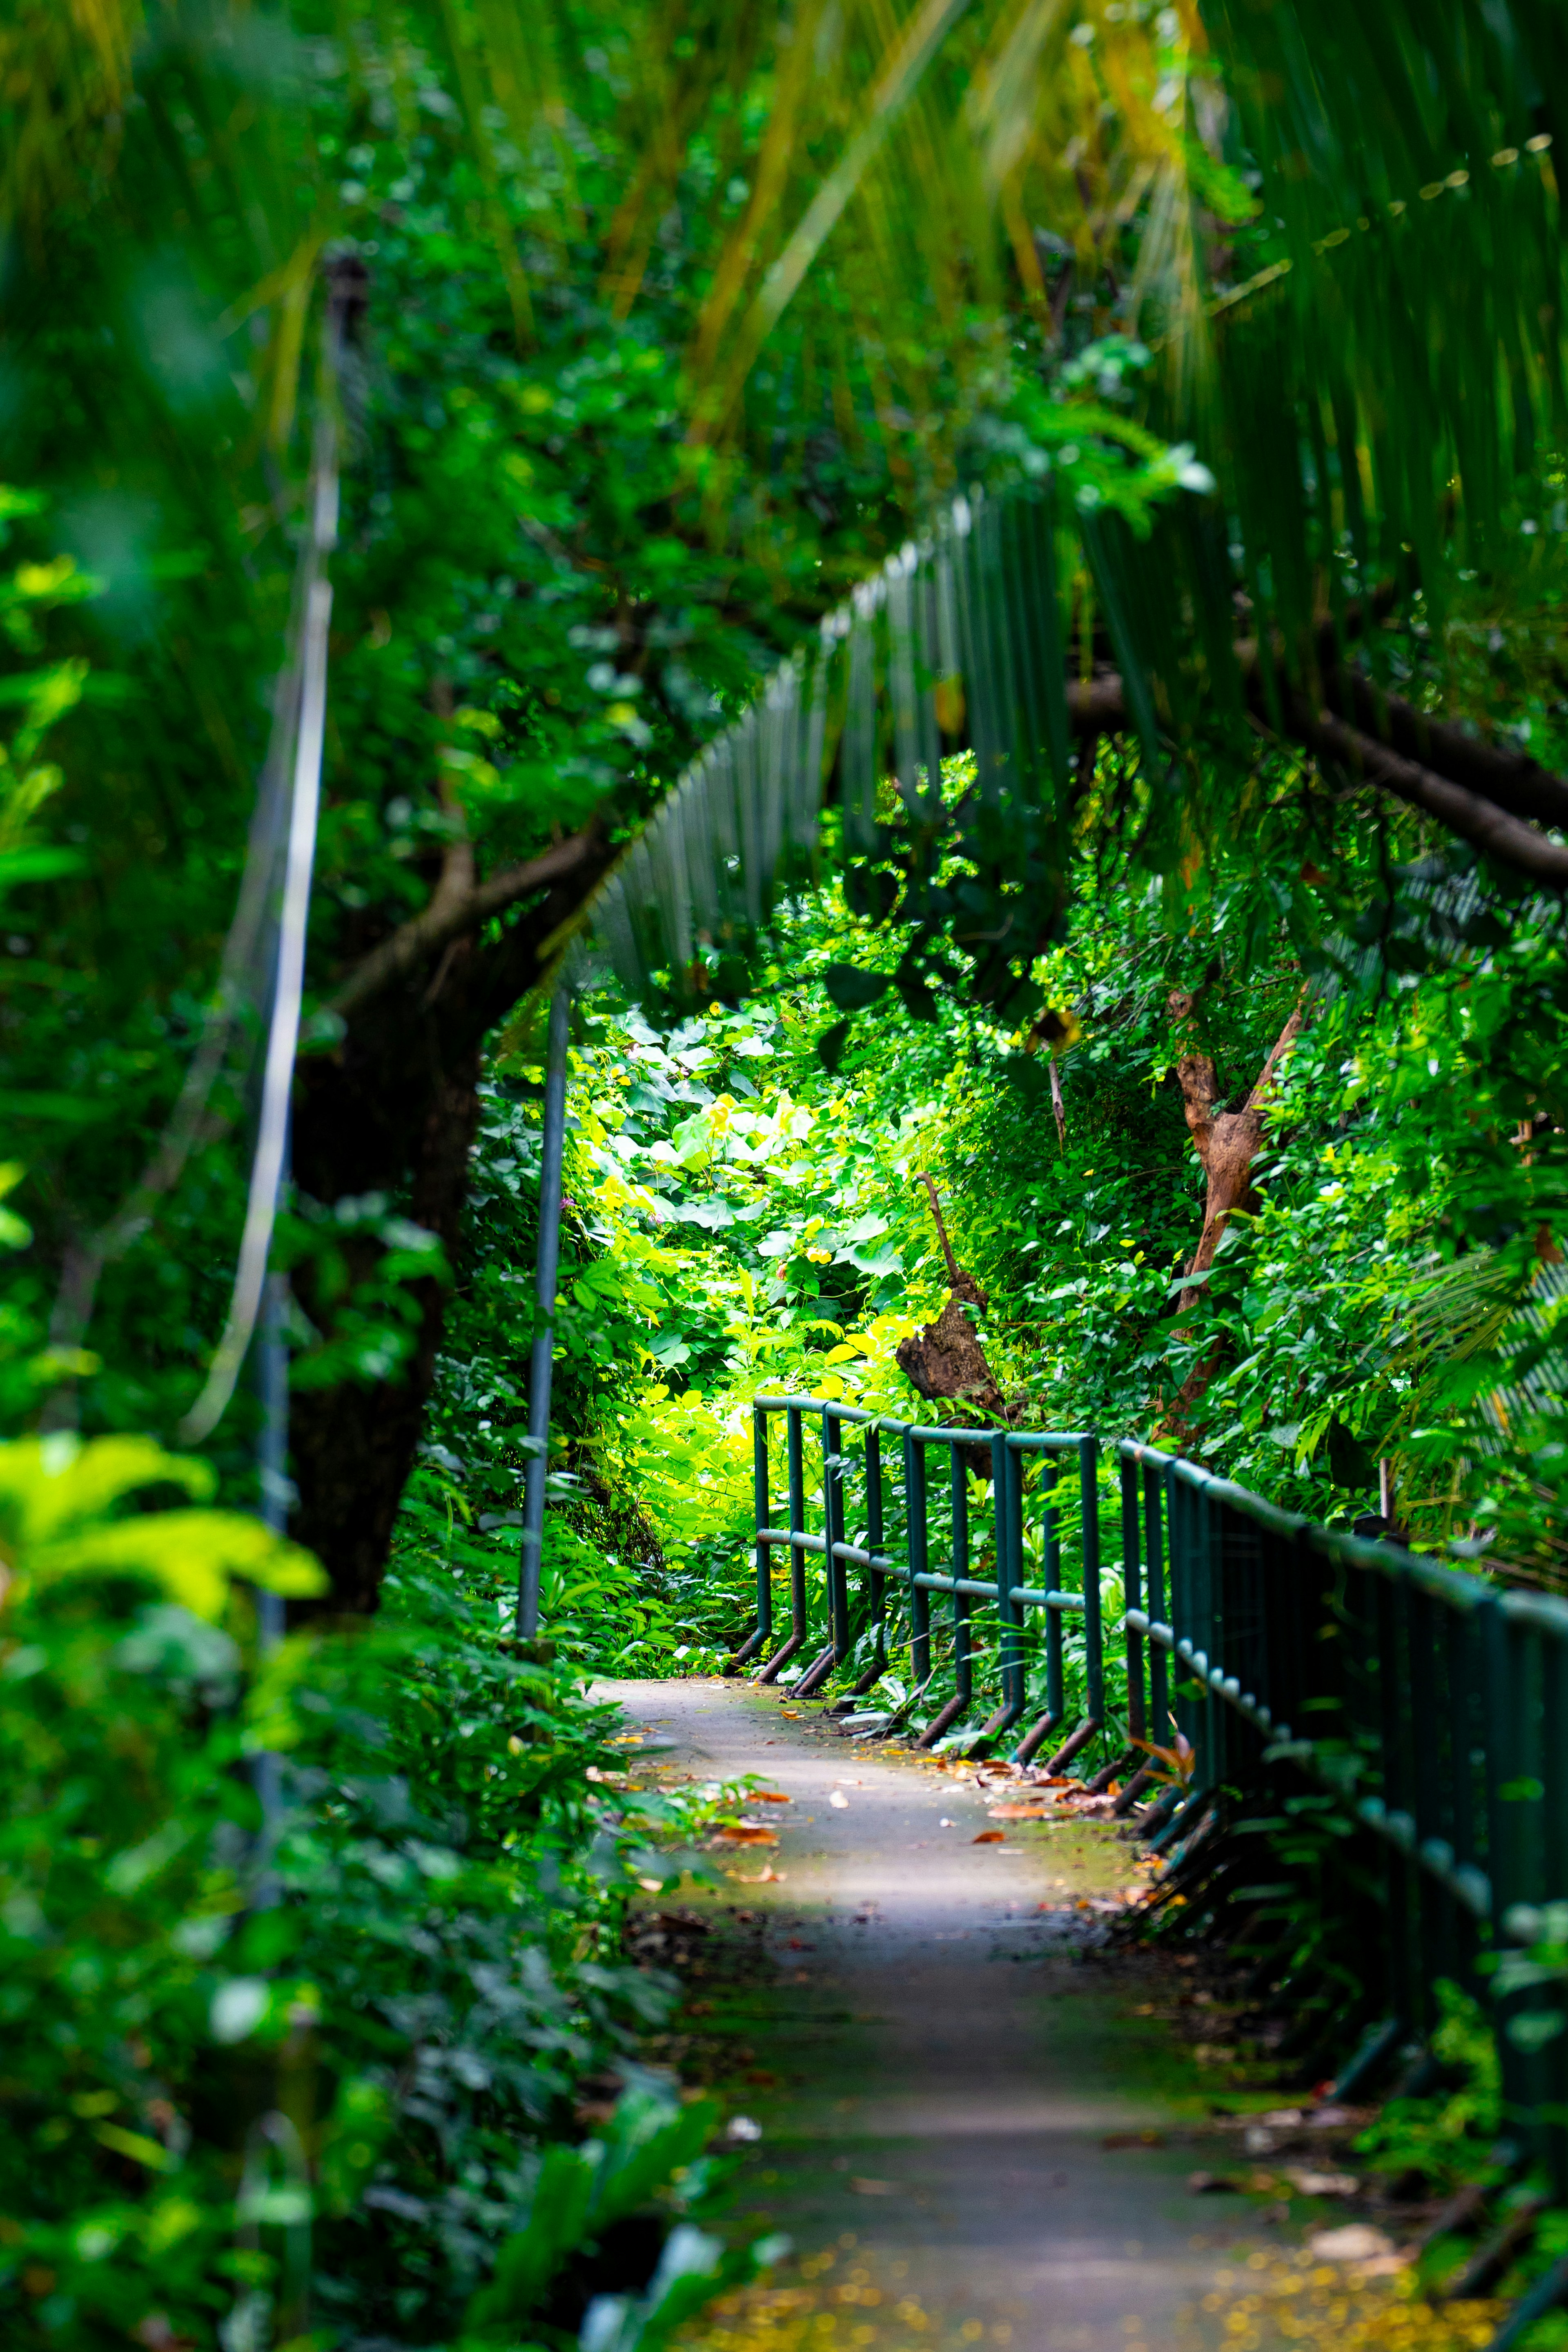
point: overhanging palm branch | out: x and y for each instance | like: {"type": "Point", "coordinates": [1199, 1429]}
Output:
{"type": "Point", "coordinates": [1380, 401]}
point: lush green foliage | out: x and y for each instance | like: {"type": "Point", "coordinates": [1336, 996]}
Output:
{"type": "Point", "coordinates": [305, 1957]}
{"type": "Point", "coordinates": [746, 1220]}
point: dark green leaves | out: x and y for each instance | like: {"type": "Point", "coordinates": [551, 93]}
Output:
{"type": "Point", "coordinates": [831, 1044]}
{"type": "Point", "coordinates": [852, 989]}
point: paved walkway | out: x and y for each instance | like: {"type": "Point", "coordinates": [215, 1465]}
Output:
{"type": "Point", "coordinates": [951, 2048]}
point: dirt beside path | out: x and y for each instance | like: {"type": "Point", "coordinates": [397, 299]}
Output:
{"type": "Point", "coordinates": [937, 2048]}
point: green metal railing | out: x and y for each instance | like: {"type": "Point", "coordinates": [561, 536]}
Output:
{"type": "Point", "coordinates": [1429, 1702]}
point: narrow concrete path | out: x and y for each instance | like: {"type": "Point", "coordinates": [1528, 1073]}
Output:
{"type": "Point", "coordinates": [944, 2047]}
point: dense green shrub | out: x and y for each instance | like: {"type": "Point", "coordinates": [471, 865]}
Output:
{"type": "Point", "coordinates": [304, 1957]}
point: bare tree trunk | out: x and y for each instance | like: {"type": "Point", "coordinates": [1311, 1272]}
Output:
{"type": "Point", "coordinates": [1226, 1140]}
{"type": "Point", "coordinates": [946, 1358]}
{"type": "Point", "coordinates": [393, 1110]}
{"type": "Point", "coordinates": [1228, 1144]}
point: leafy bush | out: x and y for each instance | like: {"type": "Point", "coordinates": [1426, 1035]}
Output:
{"type": "Point", "coordinates": [304, 1957]}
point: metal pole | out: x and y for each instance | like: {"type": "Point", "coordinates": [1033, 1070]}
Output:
{"type": "Point", "coordinates": [546, 1267]}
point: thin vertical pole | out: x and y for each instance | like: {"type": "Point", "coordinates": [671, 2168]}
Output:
{"type": "Point", "coordinates": [545, 1268]}
{"type": "Point", "coordinates": [919, 1599]}
{"type": "Point", "coordinates": [1089, 1496]}
{"type": "Point", "coordinates": [760, 1497]}
{"type": "Point", "coordinates": [874, 1542]}
{"type": "Point", "coordinates": [270, 1364]}
{"type": "Point", "coordinates": [1154, 1555]}
{"type": "Point", "coordinates": [1132, 1598]}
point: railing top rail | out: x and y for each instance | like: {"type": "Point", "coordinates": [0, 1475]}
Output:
{"type": "Point", "coordinates": [815, 1404]}
{"type": "Point", "coordinates": [939, 1433]}
{"type": "Point", "coordinates": [1459, 1589]}
{"type": "Point", "coordinates": [950, 1433]}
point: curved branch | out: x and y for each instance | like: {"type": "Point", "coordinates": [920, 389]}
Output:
{"type": "Point", "coordinates": [1491, 828]}
{"type": "Point", "coordinates": [1513, 782]}
{"type": "Point", "coordinates": [448, 917]}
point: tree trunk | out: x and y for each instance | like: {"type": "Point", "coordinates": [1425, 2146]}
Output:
{"type": "Point", "coordinates": [1226, 1140]}
{"type": "Point", "coordinates": [1228, 1144]}
{"type": "Point", "coordinates": [945, 1360]}
{"type": "Point", "coordinates": [393, 1110]}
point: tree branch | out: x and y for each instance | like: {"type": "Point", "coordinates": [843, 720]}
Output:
{"type": "Point", "coordinates": [1490, 829]}
{"type": "Point", "coordinates": [1433, 783]}
{"type": "Point", "coordinates": [1514, 782]}
{"type": "Point", "coordinates": [450, 915]}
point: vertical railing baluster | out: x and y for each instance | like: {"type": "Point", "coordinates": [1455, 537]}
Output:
{"type": "Point", "coordinates": [1554, 1873]}
{"type": "Point", "coordinates": [1501, 1744]}
{"type": "Point", "coordinates": [1154, 1561]}
{"type": "Point", "coordinates": [958, 1569]}
{"type": "Point", "coordinates": [1183, 1623]}
{"type": "Point", "coordinates": [1056, 1684]}
{"type": "Point", "coordinates": [1006, 1506]}
{"type": "Point", "coordinates": [833, 1528]}
{"type": "Point", "coordinates": [797, 1476]}
{"type": "Point", "coordinates": [1089, 1495]}
{"type": "Point", "coordinates": [1430, 1780]}
{"type": "Point", "coordinates": [919, 1599]}
{"type": "Point", "coordinates": [1132, 1598]}
{"type": "Point", "coordinates": [761, 1633]}
{"type": "Point", "coordinates": [958, 1488]}
{"type": "Point", "coordinates": [877, 1582]}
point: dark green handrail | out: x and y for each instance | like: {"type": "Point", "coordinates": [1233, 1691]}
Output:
{"type": "Point", "coordinates": [1430, 1703]}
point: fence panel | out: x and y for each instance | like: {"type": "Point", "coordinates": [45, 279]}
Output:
{"type": "Point", "coordinates": [1429, 1704]}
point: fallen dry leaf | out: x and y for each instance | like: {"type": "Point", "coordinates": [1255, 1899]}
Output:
{"type": "Point", "coordinates": [875, 2188]}
{"type": "Point", "coordinates": [1017, 1813]}
{"type": "Point", "coordinates": [1358, 2241]}
{"type": "Point", "coordinates": [987, 1837]}
{"type": "Point", "coordinates": [1321, 2184]}
{"type": "Point", "coordinates": [768, 1797]}
{"type": "Point", "coordinates": [793, 1713]}
{"type": "Point", "coordinates": [746, 1833]}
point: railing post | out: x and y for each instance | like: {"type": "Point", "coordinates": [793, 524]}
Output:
{"type": "Point", "coordinates": [796, 1467]}
{"type": "Point", "coordinates": [1051, 1550]}
{"type": "Point", "coordinates": [833, 1571]}
{"type": "Point", "coordinates": [1154, 1559]}
{"type": "Point", "coordinates": [761, 1633]}
{"type": "Point", "coordinates": [920, 1599]}
{"type": "Point", "coordinates": [1502, 1703]}
{"type": "Point", "coordinates": [1132, 1598]}
{"type": "Point", "coordinates": [1088, 1493]}
{"type": "Point", "coordinates": [833, 1530]}
{"type": "Point", "coordinates": [959, 1704]}
{"type": "Point", "coordinates": [1006, 1506]}
{"type": "Point", "coordinates": [875, 1576]}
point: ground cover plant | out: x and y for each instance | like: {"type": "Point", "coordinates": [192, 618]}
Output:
{"type": "Point", "coordinates": [309, 1955]}
{"type": "Point", "coordinates": [747, 1212]}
